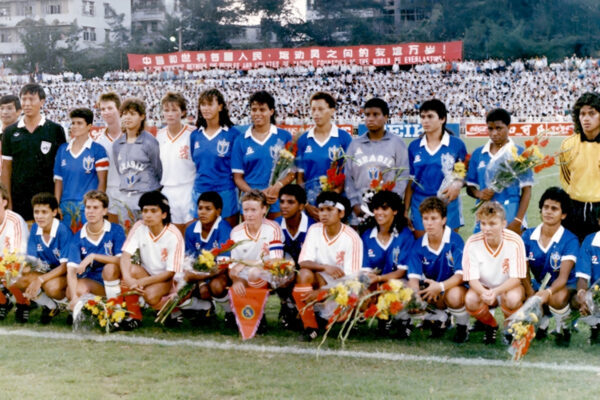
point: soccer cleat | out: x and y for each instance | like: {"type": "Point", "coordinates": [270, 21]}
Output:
{"type": "Point", "coordinates": [542, 333]}
{"type": "Point", "coordinates": [595, 334]}
{"type": "Point", "coordinates": [478, 326]}
{"type": "Point", "coordinates": [48, 314]}
{"type": "Point", "coordinates": [489, 336]}
{"type": "Point", "coordinates": [229, 321]}
{"type": "Point", "coordinates": [262, 327]}
{"type": "Point", "coordinates": [22, 313]}
{"type": "Point", "coordinates": [563, 339]}
{"type": "Point", "coordinates": [69, 319]}
{"type": "Point", "coordinates": [461, 335]}
{"type": "Point", "coordinates": [130, 324]}
{"type": "Point", "coordinates": [5, 309]}
{"type": "Point", "coordinates": [437, 330]}
{"type": "Point", "coordinates": [309, 335]}
{"type": "Point", "coordinates": [174, 321]}
{"type": "Point", "coordinates": [384, 327]}
{"type": "Point", "coordinates": [404, 329]}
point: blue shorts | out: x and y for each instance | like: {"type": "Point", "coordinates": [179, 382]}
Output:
{"type": "Point", "coordinates": [454, 213]}
{"type": "Point", "coordinates": [571, 283]}
{"type": "Point", "coordinates": [94, 273]}
{"type": "Point", "coordinates": [230, 202]}
{"type": "Point", "coordinates": [72, 210]}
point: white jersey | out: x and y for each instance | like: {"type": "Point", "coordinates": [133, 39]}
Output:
{"type": "Point", "coordinates": [176, 157]}
{"type": "Point", "coordinates": [13, 233]}
{"type": "Point", "coordinates": [493, 268]}
{"type": "Point", "coordinates": [160, 253]}
{"type": "Point", "coordinates": [344, 250]}
{"type": "Point", "coordinates": [112, 181]}
{"type": "Point", "coordinates": [268, 242]}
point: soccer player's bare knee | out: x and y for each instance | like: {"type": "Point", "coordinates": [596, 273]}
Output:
{"type": "Point", "coordinates": [55, 288]}
{"type": "Point", "coordinates": [455, 297]}
{"type": "Point", "coordinates": [472, 300]}
{"type": "Point", "coordinates": [560, 299]}
{"type": "Point", "coordinates": [111, 272]}
{"type": "Point", "coordinates": [513, 299]}
{"type": "Point", "coordinates": [204, 291]}
{"type": "Point", "coordinates": [217, 286]}
{"type": "Point", "coordinates": [305, 277]}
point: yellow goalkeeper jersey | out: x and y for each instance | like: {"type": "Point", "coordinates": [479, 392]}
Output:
{"type": "Point", "coordinates": [580, 169]}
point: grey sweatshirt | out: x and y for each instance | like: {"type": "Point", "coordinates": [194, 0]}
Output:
{"type": "Point", "coordinates": [138, 164]}
{"type": "Point", "coordinates": [368, 158]}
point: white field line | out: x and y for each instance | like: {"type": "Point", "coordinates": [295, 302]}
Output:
{"type": "Point", "coordinates": [228, 346]}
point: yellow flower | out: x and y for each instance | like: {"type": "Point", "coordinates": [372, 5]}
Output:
{"type": "Point", "coordinates": [459, 169]}
{"type": "Point", "coordinates": [123, 304]}
{"type": "Point", "coordinates": [95, 310]}
{"type": "Point", "coordinates": [596, 288]}
{"type": "Point", "coordinates": [534, 317]}
{"type": "Point", "coordinates": [354, 286]}
{"type": "Point", "coordinates": [537, 152]}
{"type": "Point", "coordinates": [286, 154]}
{"type": "Point", "coordinates": [395, 284]}
{"type": "Point", "coordinates": [513, 151]}
{"type": "Point", "coordinates": [103, 322]}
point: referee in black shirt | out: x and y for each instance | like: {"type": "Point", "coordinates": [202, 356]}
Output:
{"type": "Point", "coordinates": [28, 152]}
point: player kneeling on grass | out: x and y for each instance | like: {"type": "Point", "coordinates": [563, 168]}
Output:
{"type": "Point", "coordinates": [493, 264]}
{"type": "Point", "coordinates": [435, 266]}
{"type": "Point", "coordinates": [49, 242]}
{"type": "Point", "coordinates": [387, 244]}
{"type": "Point", "coordinates": [161, 250]}
{"type": "Point", "coordinates": [331, 250]}
{"type": "Point", "coordinates": [552, 249]}
{"type": "Point", "coordinates": [95, 252]}
{"type": "Point", "coordinates": [209, 232]}
{"type": "Point", "coordinates": [13, 236]}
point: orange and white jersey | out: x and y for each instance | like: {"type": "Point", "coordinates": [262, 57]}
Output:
{"type": "Point", "coordinates": [176, 157]}
{"type": "Point", "coordinates": [344, 250]}
{"type": "Point", "coordinates": [494, 267]}
{"type": "Point", "coordinates": [160, 253]}
{"type": "Point", "coordinates": [13, 233]}
{"type": "Point", "coordinates": [267, 243]}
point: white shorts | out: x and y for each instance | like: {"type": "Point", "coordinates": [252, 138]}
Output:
{"type": "Point", "coordinates": [180, 201]}
{"type": "Point", "coordinates": [113, 193]}
{"type": "Point", "coordinates": [126, 208]}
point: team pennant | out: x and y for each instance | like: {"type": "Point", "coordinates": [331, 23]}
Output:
{"type": "Point", "coordinates": [309, 320]}
{"type": "Point", "coordinates": [248, 310]}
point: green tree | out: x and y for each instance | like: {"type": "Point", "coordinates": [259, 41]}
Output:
{"type": "Point", "coordinates": [208, 24]}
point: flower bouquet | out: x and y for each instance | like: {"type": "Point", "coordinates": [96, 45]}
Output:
{"type": "Point", "coordinates": [377, 184]}
{"type": "Point", "coordinates": [392, 297]}
{"type": "Point", "coordinates": [208, 264]}
{"type": "Point", "coordinates": [278, 271]}
{"type": "Point", "coordinates": [453, 171]}
{"type": "Point", "coordinates": [283, 164]}
{"type": "Point", "coordinates": [335, 178]}
{"type": "Point", "coordinates": [13, 266]}
{"type": "Point", "coordinates": [106, 313]}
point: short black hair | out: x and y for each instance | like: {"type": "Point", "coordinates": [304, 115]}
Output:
{"type": "Point", "coordinates": [335, 198]}
{"type": "Point", "coordinates": [11, 98]}
{"type": "Point", "coordinates": [33, 88]}
{"type": "Point", "coordinates": [498, 114]}
{"type": "Point", "coordinates": [438, 107]}
{"type": "Point", "coordinates": [433, 203]}
{"type": "Point", "coordinates": [84, 113]}
{"type": "Point", "coordinates": [559, 195]}
{"type": "Point", "coordinates": [376, 102]}
{"type": "Point", "coordinates": [264, 97]}
{"type": "Point", "coordinates": [587, 99]}
{"type": "Point", "coordinates": [386, 198]}
{"type": "Point", "coordinates": [156, 198]}
{"type": "Point", "coordinates": [323, 96]}
{"type": "Point", "coordinates": [294, 190]}
{"type": "Point", "coordinates": [45, 198]}
{"type": "Point", "coordinates": [211, 197]}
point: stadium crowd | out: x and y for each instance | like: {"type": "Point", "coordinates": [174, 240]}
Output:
{"type": "Point", "coordinates": [114, 216]}
{"type": "Point", "coordinates": [532, 90]}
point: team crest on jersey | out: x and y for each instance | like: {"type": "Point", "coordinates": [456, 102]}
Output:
{"type": "Point", "coordinates": [505, 266]}
{"type": "Point", "coordinates": [417, 158]}
{"type": "Point", "coordinates": [373, 173]}
{"type": "Point", "coordinates": [108, 248]}
{"type": "Point", "coordinates": [249, 151]}
{"type": "Point", "coordinates": [275, 149]}
{"type": "Point", "coordinates": [130, 179]}
{"type": "Point", "coordinates": [339, 258]}
{"type": "Point", "coordinates": [450, 259]}
{"type": "Point", "coordinates": [395, 255]}
{"type": "Point", "coordinates": [164, 254]}
{"type": "Point", "coordinates": [223, 147]}
{"type": "Point", "coordinates": [594, 259]}
{"type": "Point", "coordinates": [335, 152]}
{"type": "Point", "coordinates": [56, 253]}
{"type": "Point", "coordinates": [45, 147]}
{"type": "Point", "coordinates": [88, 164]}
{"type": "Point", "coordinates": [555, 260]}
{"type": "Point", "coordinates": [63, 163]}
{"type": "Point", "coordinates": [308, 149]}
{"type": "Point", "coordinates": [7, 242]}
{"type": "Point", "coordinates": [448, 161]}
{"type": "Point", "coordinates": [184, 152]}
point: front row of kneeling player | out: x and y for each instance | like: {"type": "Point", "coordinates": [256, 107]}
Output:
{"type": "Point", "coordinates": [495, 267]}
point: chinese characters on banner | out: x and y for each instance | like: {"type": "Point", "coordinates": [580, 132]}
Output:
{"type": "Point", "coordinates": [385, 55]}
{"type": "Point", "coordinates": [525, 129]}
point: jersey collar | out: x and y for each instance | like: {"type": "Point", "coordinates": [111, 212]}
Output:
{"type": "Point", "coordinates": [445, 239]}
{"type": "Point", "coordinates": [444, 142]}
{"type": "Point", "coordinates": [272, 131]}
{"type": "Point", "coordinates": [86, 145]}
{"type": "Point", "coordinates": [596, 240]}
{"type": "Point", "coordinates": [303, 227]}
{"type": "Point", "coordinates": [53, 230]}
{"type": "Point", "coordinates": [21, 123]}
{"type": "Point", "coordinates": [105, 228]}
{"type": "Point", "coordinates": [332, 133]}
{"type": "Point", "coordinates": [486, 148]}
{"type": "Point", "coordinates": [221, 129]}
{"type": "Point", "coordinates": [198, 229]}
{"type": "Point", "coordinates": [537, 232]}
{"type": "Point", "coordinates": [373, 235]}
{"type": "Point", "coordinates": [364, 138]}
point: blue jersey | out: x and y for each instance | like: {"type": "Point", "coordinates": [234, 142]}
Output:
{"type": "Point", "coordinates": [588, 262]}
{"type": "Point", "coordinates": [563, 246]}
{"type": "Point", "coordinates": [79, 173]}
{"type": "Point", "coordinates": [55, 252]}
{"type": "Point", "coordinates": [212, 157]}
{"type": "Point", "coordinates": [109, 244]}
{"type": "Point", "coordinates": [254, 159]}
{"type": "Point", "coordinates": [390, 257]}
{"type": "Point", "coordinates": [481, 161]}
{"type": "Point", "coordinates": [194, 243]}
{"type": "Point", "coordinates": [292, 245]}
{"type": "Point", "coordinates": [440, 264]}
{"type": "Point", "coordinates": [315, 158]}
{"type": "Point", "coordinates": [428, 167]}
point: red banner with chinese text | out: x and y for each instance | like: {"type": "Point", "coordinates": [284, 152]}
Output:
{"type": "Point", "coordinates": [525, 129]}
{"type": "Point", "coordinates": [384, 55]}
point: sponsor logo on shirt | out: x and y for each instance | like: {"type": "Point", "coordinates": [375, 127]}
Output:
{"type": "Point", "coordinates": [594, 259]}
{"type": "Point", "coordinates": [530, 256]}
{"type": "Point", "coordinates": [425, 261]}
{"type": "Point", "coordinates": [371, 253]}
{"type": "Point", "coordinates": [417, 158]}
{"type": "Point", "coordinates": [45, 147]}
{"type": "Point", "coordinates": [481, 164]}
{"type": "Point", "coordinates": [39, 247]}
{"type": "Point", "coordinates": [308, 149]}
{"type": "Point", "coordinates": [63, 163]}
{"type": "Point", "coordinates": [249, 151]}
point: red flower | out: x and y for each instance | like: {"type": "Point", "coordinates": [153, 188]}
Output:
{"type": "Point", "coordinates": [395, 307]}
{"type": "Point", "coordinates": [374, 183]}
{"type": "Point", "coordinates": [388, 186]}
{"type": "Point", "coordinates": [548, 161]}
{"type": "Point", "coordinates": [338, 180]}
{"type": "Point", "coordinates": [371, 311]}
{"type": "Point", "coordinates": [386, 286]}
{"type": "Point", "coordinates": [227, 245]}
{"type": "Point", "coordinates": [528, 143]}
{"type": "Point", "coordinates": [467, 159]}
{"type": "Point", "coordinates": [352, 300]}
{"type": "Point", "coordinates": [544, 142]}
{"type": "Point", "coordinates": [91, 303]}
{"type": "Point", "coordinates": [526, 153]}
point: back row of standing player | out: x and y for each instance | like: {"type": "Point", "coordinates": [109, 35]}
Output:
{"type": "Point", "coordinates": [215, 157]}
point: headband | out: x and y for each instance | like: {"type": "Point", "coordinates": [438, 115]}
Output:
{"type": "Point", "coordinates": [330, 203]}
